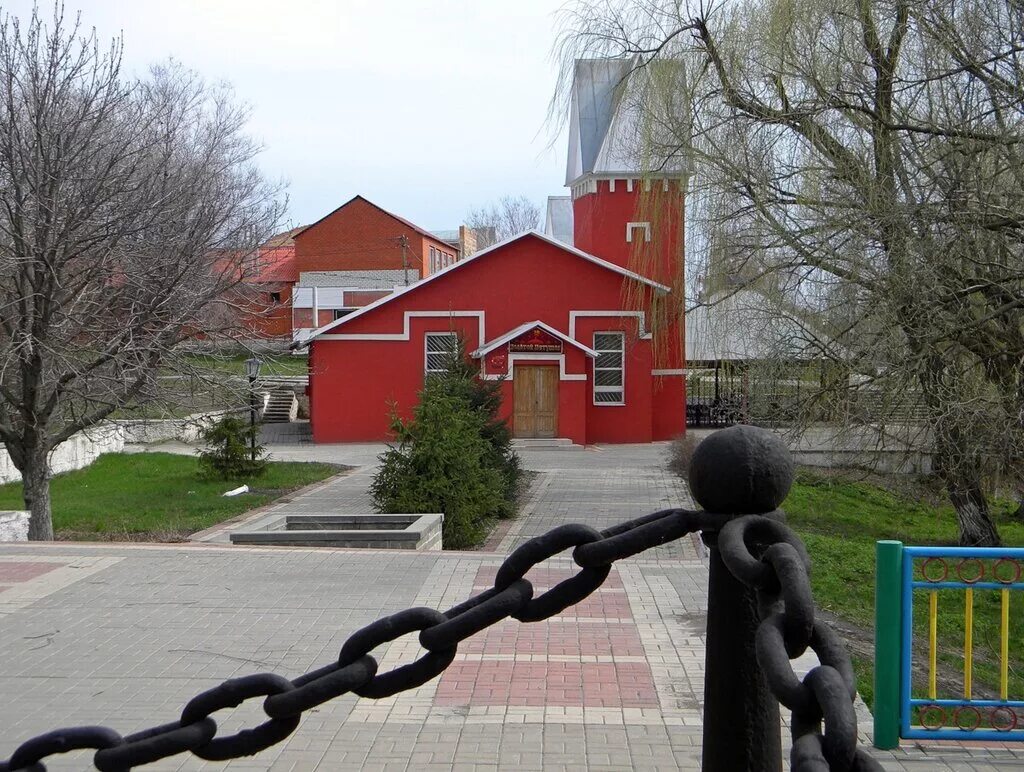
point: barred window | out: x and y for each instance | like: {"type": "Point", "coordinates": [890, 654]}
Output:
{"type": "Point", "coordinates": [439, 347]}
{"type": "Point", "coordinates": [610, 368]}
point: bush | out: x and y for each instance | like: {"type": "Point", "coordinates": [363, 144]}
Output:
{"type": "Point", "coordinates": [441, 465]}
{"type": "Point", "coordinates": [455, 456]}
{"type": "Point", "coordinates": [462, 378]}
{"type": "Point", "coordinates": [228, 454]}
{"type": "Point", "coordinates": [680, 454]}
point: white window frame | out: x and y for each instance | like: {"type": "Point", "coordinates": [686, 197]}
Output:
{"type": "Point", "coordinates": [633, 226]}
{"type": "Point", "coordinates": [427, 370]}
{"type": "Point", "coordinates": [621, 389]}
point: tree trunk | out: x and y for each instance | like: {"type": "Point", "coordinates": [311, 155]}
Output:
{"type": "Point", "coordinates": [36, 486]}
{"type": "Point", "coordinates": [972, 513]}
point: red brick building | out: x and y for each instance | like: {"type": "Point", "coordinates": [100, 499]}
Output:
{"type": "Point", "coordinates": [565, 325]}
{"type": "Point", "coordinates": [351, 257]}
{"type": "Point", "coordinates": [357, 254]}
{"type": "Point", "coordinates": [270, 283]}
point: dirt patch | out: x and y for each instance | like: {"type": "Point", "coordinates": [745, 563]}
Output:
{"type": "Point", "coordinates": [860, 642]}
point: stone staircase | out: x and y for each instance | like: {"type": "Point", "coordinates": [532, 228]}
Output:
{"type": "Point", "coordinates": [282, 407]}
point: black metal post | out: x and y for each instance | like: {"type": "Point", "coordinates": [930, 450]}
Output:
{"type": "Point", "coordinates": [741, 717]}
{"type": "Point", "coordinates": [738, 471]}
{"type": "Point", "coordinates": [252, 418]}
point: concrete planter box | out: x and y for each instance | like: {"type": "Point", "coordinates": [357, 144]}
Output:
{"type": "Point", "coordinates": [405, 532]}
{"type": "Point", "coordinates": [14, 525]}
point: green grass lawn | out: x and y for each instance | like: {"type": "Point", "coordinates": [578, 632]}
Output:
{"type": "Point", "coordinates": [280, 364]}
{"type": "Point", "coordinates": [840, 521]}
{"type": "Point", "coordinates": [156, 496]}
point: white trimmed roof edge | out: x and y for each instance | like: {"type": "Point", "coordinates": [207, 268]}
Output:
{"type": "Point", "coordinates": [301, 343]}
{"type": "Point", "coordinates": [500, 341]}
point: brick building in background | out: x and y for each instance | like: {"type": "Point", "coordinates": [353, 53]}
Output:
{"type": "Point", "coordinates": [358, 254]}
{"type": "Point", "coordinates": [270, 282]}
{"type": "Point", "coordinates": [349, 258]}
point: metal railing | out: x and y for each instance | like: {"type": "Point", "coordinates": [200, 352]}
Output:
{"type": "Point", "coordinates": [761, 616]}
{"type": "Point", "coordinates": [960, 709]}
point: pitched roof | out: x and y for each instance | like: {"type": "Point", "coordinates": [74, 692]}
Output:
{"type": "Point", "coordinates": [414, 226]}
{"type": "Point", "coordinates": [595, 96]}
{"type": "Point", "coordinates": [558, 220]}
{"type": "Point", "coordinates": [283, 239]}
{"type": "Point", "coordinates": [476, 256]}
{"type": "Point", "coordinates": [503, 339]}
{"type": "Point", "coordinates": [608, 126]}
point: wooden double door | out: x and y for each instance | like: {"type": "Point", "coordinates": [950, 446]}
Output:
{"type": "Point", "coordinates": [535, 402]}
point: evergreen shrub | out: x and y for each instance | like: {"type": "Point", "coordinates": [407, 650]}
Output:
{"type": "Point", "coordinates": [454, 456]}
{"type": "Point", "coordinates": [229, 454]}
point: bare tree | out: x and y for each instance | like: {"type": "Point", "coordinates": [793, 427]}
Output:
{"type": "Point", "coordinates": [865, 158]}
{"type": "Point", "coordinates": [129, 212]}
{"type": "Point", "coordinates": [503, 219]}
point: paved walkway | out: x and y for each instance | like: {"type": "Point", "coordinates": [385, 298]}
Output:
{"type": "Point", "coordinates": [125, 635]}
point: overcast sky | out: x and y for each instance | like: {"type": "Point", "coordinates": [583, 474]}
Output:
{"type": "Point", "coordinates": [426, 108]}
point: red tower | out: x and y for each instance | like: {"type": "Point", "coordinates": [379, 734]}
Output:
{"type": "Point", "coordinates": [626, 216]}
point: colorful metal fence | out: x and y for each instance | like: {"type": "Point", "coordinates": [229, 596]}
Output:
{"type": "Point", "coordinates": [975, 713]}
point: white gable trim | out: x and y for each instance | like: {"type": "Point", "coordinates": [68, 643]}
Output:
{"type": "Point", "coordinates": [460, 263]}
{"type": "Point", "coordinates": [645, 334]}
{"type": "Point", "coordinates": [406, 327]}
{"type": "Point", "coordinates": [483, 350]}
{"type": "Point", "coordinates": [525, 356]}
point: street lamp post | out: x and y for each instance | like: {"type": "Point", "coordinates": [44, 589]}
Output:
{"type": "Point", "coordinates": [252, 369]}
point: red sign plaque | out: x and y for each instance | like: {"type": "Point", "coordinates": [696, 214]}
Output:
{"type": "Point", "coordinates": [537, 340]}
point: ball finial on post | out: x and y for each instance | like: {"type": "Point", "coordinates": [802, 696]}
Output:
{"type": "Point", "coordinates": [738, 471]}
{"type": "Point", "coordinates": [742, 470]}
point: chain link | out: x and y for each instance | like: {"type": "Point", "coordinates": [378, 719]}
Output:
{"type": "Point", "coordinates": [768, 557]}
{"type": "Point", "coordinates": [759, 550]}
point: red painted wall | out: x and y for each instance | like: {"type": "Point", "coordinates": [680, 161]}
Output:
{"type": "Point", "coordinates": [599, 226]}
{"type": "Point", "coordinates": [526, 280]}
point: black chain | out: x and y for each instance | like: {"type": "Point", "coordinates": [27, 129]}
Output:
{"type": "Point", "coordinates": [760, 552]}
{"type": "Point", "coordinates": [770, 558]}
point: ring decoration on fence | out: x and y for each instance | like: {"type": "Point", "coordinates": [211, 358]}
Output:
{"type": "Point", "coordinates": [760, 552]}
{"type": "Point", "coordinates": [964, 569]}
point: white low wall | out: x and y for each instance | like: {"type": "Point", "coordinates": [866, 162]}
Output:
{"type": "Point", "coordinates": [79, 451]}
{"type": "Point", "coordinates": [143, 431]}
{"type": "Point", "coordinates": [903, 449]}
{"type": "Point", "coordinates": [900, 449]}
{"type": "Point", "coordinates": [14, 525]}
{"type": "Point", "coordinates": [111, 437]}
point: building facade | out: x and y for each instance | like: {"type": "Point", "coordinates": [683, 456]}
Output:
{"type": "Point", "coordinates": [575, 328]}
{"type": "Point", "coordinates": [270, 280]}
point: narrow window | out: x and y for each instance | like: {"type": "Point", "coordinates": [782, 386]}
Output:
{"type": "Point", "coordinates": [342, 312]}
{"type": "Point", "coordinates": [609, 368]}
{"type": "Point", "coordinates": [439, 347]}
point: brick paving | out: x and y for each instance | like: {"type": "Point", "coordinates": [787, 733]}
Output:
{"type": "Point", "coordinates": [125, 635]}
